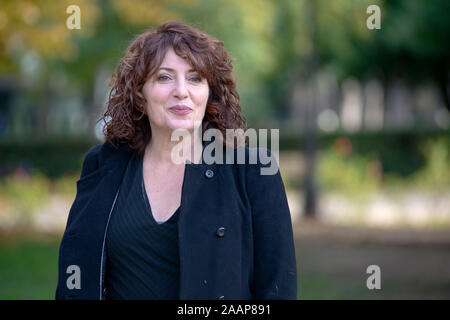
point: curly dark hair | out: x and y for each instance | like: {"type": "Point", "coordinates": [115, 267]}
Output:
{"type": "Point", "coordinates": [125, 118]}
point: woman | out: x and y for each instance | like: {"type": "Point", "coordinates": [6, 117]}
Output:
{"type": "Point", "coordinates": [145, 227]}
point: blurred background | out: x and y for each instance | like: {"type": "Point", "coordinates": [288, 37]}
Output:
{"type": "Point", "coordinates": [363, 117]}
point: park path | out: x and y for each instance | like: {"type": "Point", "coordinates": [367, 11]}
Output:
{"type": "Point", "coordinates": [332, 262]}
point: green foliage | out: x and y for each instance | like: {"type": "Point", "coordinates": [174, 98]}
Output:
{"type": "Point", "coordinates": [53, 157]}
{"type": "Point", "coordinates": [360, 174]}
{"type": "Point", "coordinates": [322, 286]}
{"type": "Point", "coordinates": [273, 41]}
{"type": "Point", "coordinates": [66, 184]}
{"type": "Point", "coordinates": [354, 175]}
{"type": "Point", "coordinates": [436, 172]}
{"type": "Point", "coordinates": [22, 194]}
{"type": "Point", "coordinates": [28, 268]}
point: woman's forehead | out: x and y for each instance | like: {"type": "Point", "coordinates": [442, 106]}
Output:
{"type": "Point", "coordinates": [175, 69]}
{"type": "Point", "coordinates": [178, 60]}
{"type": "Point", "coordinates": [173, 61]}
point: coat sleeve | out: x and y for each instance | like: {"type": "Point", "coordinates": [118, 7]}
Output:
{"type": "Point", "coordinates": [275, 268]}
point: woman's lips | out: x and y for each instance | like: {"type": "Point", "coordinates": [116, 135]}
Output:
{"type": "Point", "coordinates": [180, 110]}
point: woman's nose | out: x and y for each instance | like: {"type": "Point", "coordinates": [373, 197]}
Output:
{"type": "Point", "coordinates": [180, 90]}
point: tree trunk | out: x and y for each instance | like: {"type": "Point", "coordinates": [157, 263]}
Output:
{"type": "Point", "coordinates": [311, 132]}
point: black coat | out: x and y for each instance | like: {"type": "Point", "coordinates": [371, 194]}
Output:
{"type": "Point", "coordinates": [235, 232]}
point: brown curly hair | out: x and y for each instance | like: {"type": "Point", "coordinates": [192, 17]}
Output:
{"type": "Point", "coordinates": [125, 118]}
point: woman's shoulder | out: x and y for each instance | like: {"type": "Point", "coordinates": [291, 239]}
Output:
{"type": "Point", "coordinates": [93, 151]}
{"type": "Point", "coordinates": [90, 162]}
{"type": "Point", "coordinates": [253, 159]}
{"type": "Point", "coordinates": [105, 154]}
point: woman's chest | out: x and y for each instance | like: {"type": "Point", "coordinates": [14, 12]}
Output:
{"type": "Point", "coordinates": [163, 189]}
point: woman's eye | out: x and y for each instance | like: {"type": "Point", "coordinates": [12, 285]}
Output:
{"type": "Point", "coordinates": [163, 78]}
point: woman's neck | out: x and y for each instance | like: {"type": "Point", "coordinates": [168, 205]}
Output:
{"type": "Point", "coordinates": [162, 150]}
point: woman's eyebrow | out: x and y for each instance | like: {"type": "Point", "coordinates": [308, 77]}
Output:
{"type": "Point", "coordinates": [173, 70]}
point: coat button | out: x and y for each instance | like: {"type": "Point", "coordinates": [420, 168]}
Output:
{"type": "Point", "coordinates": [220, 232]}
{"type": "Point", "coordinates": [209, 173]}
{"type": "Point", "coordinates": [221, 298]}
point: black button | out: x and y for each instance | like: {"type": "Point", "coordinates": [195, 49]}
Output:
{"type": "Point", "coordinates": [104, 291]}
{"type": "Point", "coordinates": [220, 232]}
{"type": "Point", "coordinates": [221, 298]}
{"type": "Point", "coordinates": [209, 173]}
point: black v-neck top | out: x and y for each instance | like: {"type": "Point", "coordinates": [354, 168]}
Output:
{"type": "Point", "coordinates": [142, 253]}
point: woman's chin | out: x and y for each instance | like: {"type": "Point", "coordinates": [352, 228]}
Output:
{"type": "Point", "coordinates": [183, 125]}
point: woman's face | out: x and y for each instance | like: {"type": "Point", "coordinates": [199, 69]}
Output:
{"type": "Point", "coordinates": [176, 95]}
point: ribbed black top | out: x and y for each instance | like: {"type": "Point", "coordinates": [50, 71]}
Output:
{"type": "Point", "coordinates": [143, 258]}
